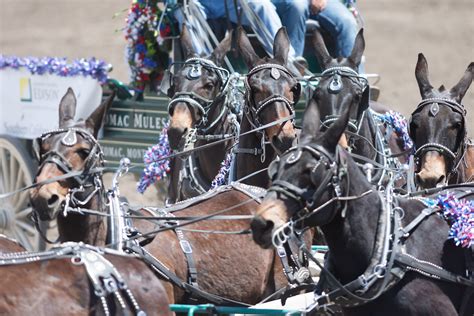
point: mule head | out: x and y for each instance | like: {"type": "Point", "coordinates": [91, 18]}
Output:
{"type": "Point", "coordinates": [340, 85]}
{"type": "Point", "coordinates": [194, 87]}
{"type": "Point", "coordinates": [438, 127]}
{"type": "Point", "coordinates": [73, 147]}
{"type": "Point", "coordinates": [301, 181]}
{"type": "Point", "coordinates": [272, 90]}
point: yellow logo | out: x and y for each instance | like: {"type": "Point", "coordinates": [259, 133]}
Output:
{"type": "Point", "coordinates": [25, 90]}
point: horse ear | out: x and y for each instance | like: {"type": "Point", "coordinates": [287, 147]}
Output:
{"type": "Point", "coordinates": [320, 49]}
{"type": "Point", "coordinates": [281, 46]}
{"type": "Point", "coordinates": [95, 121]}
{"type": "Point", "coordinates": [421, 74]}
{"type": "Point", "coordinates": [67, 108]}
{"type": "Point", "coordinates": [442, 88]}
{"type": "Point", "coordinates": [246, 49]}
{"type": "Point", "coordinates": [311, 122]}
{"type": "Point", "coordinates": [459, 90]}
{"type": "Point", "coordinates": [333, 134]}
{"type": "Point", "coordinates": [222, 49]}
{"type": "Point", "coordinates": [186, 42]}
{"type": "Point", "coordinates": [358, 50]}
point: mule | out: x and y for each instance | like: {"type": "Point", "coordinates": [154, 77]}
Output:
{"type": "Point", "coordinates": [201, 112]}
{"type": "Point", "coordinates": [380, 258]}
{"type": "Point", "coordinates": [341, 86]}
{"type": "Point", "coordinates": [228, 265]}
{"type": "Point", "coordinates": [272, 91]}
{"type": "Point", "coordinates": [59, 287]}
{"type": "Point", "coordinates": [443, 153]}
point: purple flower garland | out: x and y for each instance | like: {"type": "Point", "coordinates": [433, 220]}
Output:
{"type": "Point", "coordinates": [460, 214]}
{"type": "Point", "coordinates": [223, 174]}
{"type": "Point", "coordinates": [92, 67]}
{"type": "Point", "coordinates": [400, 125]}
{"type": "Point", "coordinates": [156, 168]}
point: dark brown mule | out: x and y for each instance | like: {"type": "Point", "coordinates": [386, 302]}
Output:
{"type": "Point", "coordinates": [443, 153]}
{"type": "Point", "coordinates": [271, 93]}
{"type": "Point", "coordinates": [201, 104]}
{"type": "Point", "coordinates": [232, 266]}
{"type": "Point", "coordinates": [73, 148]}
{"type": "Point", "coordinates": [386, 255]}
{"type": "Point", "coordinates": [58, 287]}
{"type": "Point", "coordinates": [340, 86]}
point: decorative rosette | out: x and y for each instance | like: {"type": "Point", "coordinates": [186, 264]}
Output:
{"type": "Point", "coordinates": [460, 215]}
{"type": "Point", "coordinates": [223, 174]}
{"type": "Point", "coordinates": [157, 165]}
{"type": "Point", "coordinates": [398, 122]}
{"type": "Point", "coordinates": [144, 53]}
{"type": "Point", "coordinates": [91, 67]}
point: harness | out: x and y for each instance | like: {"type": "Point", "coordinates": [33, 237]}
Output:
{"type": "Point", "coordinates": [454, 156]}
{"type": "Point", "coordinates": [389, 261]}
{"type": "Point", "coordinates": [108, 285]}
{"type": "Point", "coordinates": [191, 182]}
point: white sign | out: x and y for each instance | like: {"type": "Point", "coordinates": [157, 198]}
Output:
{"type": "Point", "coordinates": [29, 104]}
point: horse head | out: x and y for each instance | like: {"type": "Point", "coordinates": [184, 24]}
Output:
{"type": "Point", "coordinates": [438, 127]}
{"type": "Point", "coordinates": [304, 181]}
{"type": "Point", "coordinates": [271, 90]}
{"type": "Point", "coordinates": [196, 89]}
{"type": "Point", "coordinates": [72, 148]}
{"type": "Point", "coordinates": [340, 85]}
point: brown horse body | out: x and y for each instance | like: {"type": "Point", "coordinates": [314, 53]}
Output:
{"type": "Point", "coordinates": [58, 287]}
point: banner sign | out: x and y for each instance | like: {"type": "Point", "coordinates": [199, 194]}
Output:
{"type": "Point", "coordinates": [29, 103]}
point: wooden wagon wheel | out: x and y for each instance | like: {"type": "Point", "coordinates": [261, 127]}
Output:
{"type": "Point", "coordinates": [17, 171]}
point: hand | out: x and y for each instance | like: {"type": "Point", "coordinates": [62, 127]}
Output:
{"type": "Point", "coordinates": [317, 6]}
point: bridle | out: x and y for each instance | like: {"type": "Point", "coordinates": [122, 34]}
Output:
{"type": "Point", "coordinates": [306, 199]}
{"type": "Point", "coordinates": [86, 184]}
{"type": "Point", "coordinates": [197, 102]}
{"type": "Point", "coordinates": [253, 109]}
{"type": "Point", "coordinates": [335, 87]}
{"type": "Point", "coordinates": [454, 156]}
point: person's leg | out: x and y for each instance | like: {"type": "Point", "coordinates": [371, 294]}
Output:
{"type": "Point", "coordinates": [267, 12]}
{"type": "Point", "coordinates": [341, 24]}
{"type": "Point", "coordinates": [293, 15]}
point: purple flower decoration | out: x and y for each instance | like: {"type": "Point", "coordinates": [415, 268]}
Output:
{"type": "Point", "coordinates": [460, 214]}
{"type": "Point", "coordinates": [399, 124]}
{"type": "Point", "coordinates": [157, 165]}
{"type": "Point", "coordinates": [92, 67]}
{"type": "Point", "coordinates": [223, 174]}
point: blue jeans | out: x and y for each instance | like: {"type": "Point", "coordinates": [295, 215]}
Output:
{"type": "Point", "coordinates": [274, 14]}
{"type": "Point", "coordinates": [341, 25]}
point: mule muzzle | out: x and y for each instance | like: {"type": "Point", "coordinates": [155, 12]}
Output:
{"type": "Point", "coordinates": [433, 171]}
{"type": "Point", "coordinates": [47, 205]}
{"type": "Point", "coordinates": [270, 216]}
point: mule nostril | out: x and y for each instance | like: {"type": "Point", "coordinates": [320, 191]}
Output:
{"type": "Point", "coordinates": [441, 180]}
{"type": "Point", "coordinates": [52, 200]}
{"type": "Point", "coordinates": [260, 225]}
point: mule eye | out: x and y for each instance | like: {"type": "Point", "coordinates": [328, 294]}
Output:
{"type": "Point", "coordinates": [83, 153]}
{"type": "Point", "coordinates": [457, 125]}
{"type": "Point", "coordinates": [209, 86]}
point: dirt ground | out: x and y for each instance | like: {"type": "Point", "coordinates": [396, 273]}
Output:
{"type": "Point", "coordinates": [395, 32]}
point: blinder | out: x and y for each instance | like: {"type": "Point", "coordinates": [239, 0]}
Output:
{"type": "Point", "coordinates": [69, 140]}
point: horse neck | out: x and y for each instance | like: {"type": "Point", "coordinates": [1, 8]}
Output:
{"type": "Point", "coordinates": [367, 132]}
{"type": "Point", "coordinates": [249, 163]}
{"type": "Point", "coordinates": [90, 229]}
{"type": "Point", "coordinates": [351, 239]}
{"type": "Point", "coordinates": [210, 159]}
